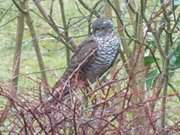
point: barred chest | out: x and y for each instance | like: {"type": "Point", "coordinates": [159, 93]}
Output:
{"type": "Point", "coordinates": [107, 51]}
{"type": "Point", "coordinates": [108, 47]}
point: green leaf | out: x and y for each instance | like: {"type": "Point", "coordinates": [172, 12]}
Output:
{"type": "Point", "coordinates": [148, 60]}
{"type": "Point", "coordinates": [151, 76]}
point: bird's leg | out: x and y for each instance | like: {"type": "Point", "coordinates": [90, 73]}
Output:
{"type": "Point", "coordinates": [98, 82]}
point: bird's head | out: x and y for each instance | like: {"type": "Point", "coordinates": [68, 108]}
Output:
{"type": "Point", "coordinates": [101, 27]}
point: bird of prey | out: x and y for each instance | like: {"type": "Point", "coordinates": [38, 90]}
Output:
{"type": "Point", "coordinates": [91, 59]}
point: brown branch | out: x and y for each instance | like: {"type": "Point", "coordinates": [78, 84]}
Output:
{"type": "Point", "coordinates": [88, 8]}
{"type": "Point", "coordinates": [37, 51]}
{"type": "Point", "coordinates": [54, 26]}
{"type": "Point", "coordinates": [66, 34]}
{"type": "Point", "coordinates": [16, 61]}
{"type": "Point", "coordinates": [19, 6]}
{"type": "Point", "coordinates": [125, 53]}
{"type": "Point", "coordinates": [6, 12]}
{"type": "Point", "coordinates": [165, 72]}
{"type": "Point", "coordinates": [119, 17]}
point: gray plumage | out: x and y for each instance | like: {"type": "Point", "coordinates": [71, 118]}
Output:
{"type": "Point", "coordinates": [106, 46]}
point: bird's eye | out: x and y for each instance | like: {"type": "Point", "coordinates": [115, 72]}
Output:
{"type": "Point", "coordinates": [98, 29]}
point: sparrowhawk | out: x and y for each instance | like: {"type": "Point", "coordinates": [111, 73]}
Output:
{"type": "Point", "coordinates": [92, 58]}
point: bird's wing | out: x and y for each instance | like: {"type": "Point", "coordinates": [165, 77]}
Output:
{"type": "Point", "coordinates": [83, 53]}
